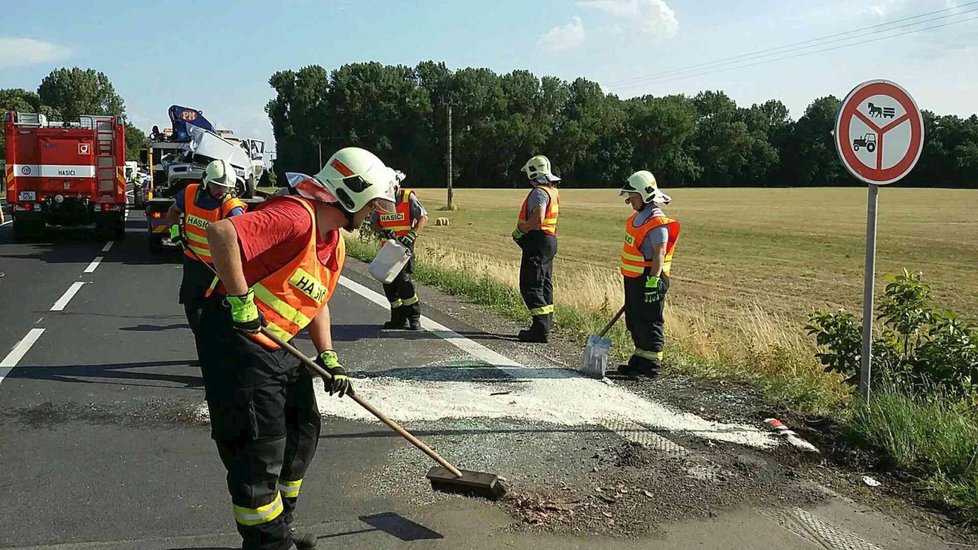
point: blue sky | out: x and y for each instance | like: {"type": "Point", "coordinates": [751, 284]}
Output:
{"type": "Point", "coordinates": [217, 56]}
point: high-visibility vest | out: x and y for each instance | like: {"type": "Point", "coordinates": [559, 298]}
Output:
{"type": "Point", "coordinates": [633, 263]}
{"type": "Point", "coordinates": [549, 225]}
{"type": "Point", "coordinates": [291, 297]}
{"type": "Point", "coordinates": [399, 221]}
{"type": "Point", "coordinates": [196, 220]}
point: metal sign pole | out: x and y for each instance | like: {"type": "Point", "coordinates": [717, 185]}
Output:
{"type": "Point", "coordinates": [869, 287]}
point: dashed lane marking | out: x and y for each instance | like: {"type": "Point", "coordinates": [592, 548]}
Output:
{"type": "Point", "coordinates": [67, 296]}
{"type": "Point", "coordinates": [94, 265]}
{"type": "Point", "coordinates": [18, 352]}
{"type": "Point", "coordinates": [107, 246]}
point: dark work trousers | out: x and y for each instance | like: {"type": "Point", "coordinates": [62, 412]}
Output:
{"type": "Point", "coordinates": [266, 424]}
{"type": "Point", "coordinates": [401, 291]}
{"type": "Point", "coordinates": [536, 278]}
{"type": "Point", "coordinates": [645, 312]}
{"type": "Point", "coordinates": [196, 280]}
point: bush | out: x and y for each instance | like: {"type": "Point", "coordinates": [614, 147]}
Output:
{"type": "Point", "coordinates": [919, 348]}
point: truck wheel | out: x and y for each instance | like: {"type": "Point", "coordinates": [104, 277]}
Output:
{"type": "Point", "coordinates": [155, 244]}
{"type": "Point", "coordinates": [25, 230]}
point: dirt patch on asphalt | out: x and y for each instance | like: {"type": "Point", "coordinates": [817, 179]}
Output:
{"type": "Point", "coordinates": [632, 490]}
{"type": "Point", "coordinates": [156, 414]}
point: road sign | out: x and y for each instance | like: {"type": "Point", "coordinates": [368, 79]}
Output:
{"type": "Point", "coordinates": [879, 132]}
{"type": "Point", "coordinates": [879, 135]}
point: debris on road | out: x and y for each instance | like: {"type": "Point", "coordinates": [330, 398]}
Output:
{"type": "Point", "coordinates": [871, 481]}
{"type": "Point", "coordinates": [792, 438]}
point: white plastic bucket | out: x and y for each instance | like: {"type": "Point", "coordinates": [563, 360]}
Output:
{"type": "Point", "coordinates": [390, 260]}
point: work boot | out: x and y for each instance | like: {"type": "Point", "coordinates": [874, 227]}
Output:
{"type": "Point", "coordinates": [639, 366]}
{"type": "Point", "coordinates": [303, 540]}
{"type": "Point", "coordinates": [414, 323]}
{"type": "Point", "coordinates": [533, 335]}
{"type": "Point", "coordinates": [398, 320]}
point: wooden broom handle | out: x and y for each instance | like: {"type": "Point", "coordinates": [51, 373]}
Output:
{"type": "Point", "coordinates": [612, 322]}
{"type": "Point", "coordinates": [316, 369]}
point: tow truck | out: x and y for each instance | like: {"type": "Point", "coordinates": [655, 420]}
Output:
{"type": "Point", "coordinates": [177, 157]}
{"type": "Point", "coordinates": [68, 174]}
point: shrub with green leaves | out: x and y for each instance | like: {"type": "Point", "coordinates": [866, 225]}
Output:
{"type": "Point", "coordinates": [925, 349]}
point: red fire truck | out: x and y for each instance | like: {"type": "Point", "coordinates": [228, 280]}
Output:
{"type": "Point", "coordinates": [65, 173]}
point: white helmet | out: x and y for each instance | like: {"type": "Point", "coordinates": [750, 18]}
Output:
{"type": "Point", "coordinates": [539, 167]}
{"type": "Point", "coordinates": [220, 173]}
{"type": "Point", "coordinates": [356, 177]}
{"type": "Point", "coordinates": [643, 183]}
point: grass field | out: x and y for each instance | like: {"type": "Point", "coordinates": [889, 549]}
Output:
{"type": "Point", "coordinates": [742, 251]}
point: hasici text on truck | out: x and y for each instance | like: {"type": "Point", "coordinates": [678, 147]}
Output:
{"type": "Point", "coordinates": [65, 173]}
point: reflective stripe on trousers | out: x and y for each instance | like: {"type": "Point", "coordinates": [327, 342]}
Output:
{"type": "Point", "coordinates": [262, 514]}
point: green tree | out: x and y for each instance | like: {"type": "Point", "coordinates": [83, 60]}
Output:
{"type": "Point", "coordinates": [75, 92]}
{"type": "Point", "coordinates": [810, 158]}
{"type": "Point", "coordinates": [18, 99]}
{"type": "Point", "coordinates": [135, 140]}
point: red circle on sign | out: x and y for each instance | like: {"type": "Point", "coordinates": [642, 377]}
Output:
{"type": "Point", "coordinates": [843, 138]}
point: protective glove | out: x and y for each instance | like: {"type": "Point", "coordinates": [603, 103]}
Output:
{"type": "Point", "coordinates": [517, 234]}
{"type": "Point", "coordinates": [385, 234]}
{"type": "Point", "coordinates": [244, 313]}
{"type": "Point", "coordinates": [408, 240]}
{"type": "Point", "coordinates": [340, 384]}
{"type": "Point", "coordinates": [176, 237]}
{"type": "Point", "coordinates": [652, 293]}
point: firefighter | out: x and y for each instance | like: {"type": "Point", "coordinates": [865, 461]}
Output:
{"type": "Point", "coordinates": [201, 205]}
{"type": "Point", "coordinates": [536, 235]}
{"type": "Point", "coordinates": [646, 259]}
{"type": "Point", "coordinates": [404, 224]}
{"type": "Point", "coordinates": [278, 265]}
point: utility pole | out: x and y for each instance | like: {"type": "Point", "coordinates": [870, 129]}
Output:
{"type": "Point", "coordinates": [450, 155]}
{"type": "Point", "coordinates": [319, 144]}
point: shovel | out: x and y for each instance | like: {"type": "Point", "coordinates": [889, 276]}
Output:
{"type": "Point", "coordinates": [594, 362]}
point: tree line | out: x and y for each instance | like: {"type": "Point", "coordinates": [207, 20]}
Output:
{"type": "Point", "coordinates": [65, 94]}
{"type": "Point", "coordinates": [593, 138]}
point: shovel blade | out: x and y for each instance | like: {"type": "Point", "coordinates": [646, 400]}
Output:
{"type": "Point", "coordinates": [594, 361]}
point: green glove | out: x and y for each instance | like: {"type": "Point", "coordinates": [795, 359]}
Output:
{"type": "Point", "coordinates": [652, 294]}
{"type": "Point", "coordinates": [341, 383]}
{"type": "Point", "coordinates": [244, 313]}
{"type": "Point", "coordinates": [517, 234]}
{"type": "Point", "coordinates": [408, 240]}
{"type": "Point", "coordinates": [175, 236]}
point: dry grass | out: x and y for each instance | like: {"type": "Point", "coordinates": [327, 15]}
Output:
{"type": "Point", "coordinates": [785, 251]}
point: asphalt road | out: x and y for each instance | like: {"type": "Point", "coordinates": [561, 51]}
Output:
{"type": "Point", "coordinates": [103, 443]}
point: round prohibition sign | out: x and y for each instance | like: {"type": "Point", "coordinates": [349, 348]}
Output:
{"type": "Point", "coordinates": [879, 132]}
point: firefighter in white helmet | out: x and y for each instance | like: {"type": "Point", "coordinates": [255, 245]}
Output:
{"type": "Point", "coordinates": [201, 204]}
{"type": "Point", "coordinates": [278, 266]}
{"type": "Point", "coordinates": [404, 224]}
{"type": "Point", "coordinates": [646, 260]}
{"type": "Point", "coordinates": [536, 235]}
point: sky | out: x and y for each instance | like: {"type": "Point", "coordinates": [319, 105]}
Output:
{"type": "Point", "coordinates": [217, 56]}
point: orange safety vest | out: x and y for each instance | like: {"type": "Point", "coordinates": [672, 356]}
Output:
{"type": "Point", "coordinates": [550, 215]}
{"type": "Point", "coordinates": [399, 221]}
{"type": "Point", "coordinates": [291, 297]}
{"type": "Point", "coordinates": [196, 220]}
{"type": "Point", "coordinates": [633, 263]}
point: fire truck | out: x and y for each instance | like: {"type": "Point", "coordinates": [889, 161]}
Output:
{"type": "Point", "coordinates": [65, 173]}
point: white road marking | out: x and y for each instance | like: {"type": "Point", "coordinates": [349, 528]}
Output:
{"type": "Point", "coordinates": [67, 296]}
{"type": "Point", "coordinates": [92, 266]}
{"type": "Point", "coordinates": [19, 351]}
{"type": "Point", "coordinates": [553, 395]}
{"type": "Point", "coordinates": [107, 246]}
{"type": "Point", "coordinates": [6, 222]}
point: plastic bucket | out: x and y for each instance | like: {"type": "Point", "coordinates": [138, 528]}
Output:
{"type": "Point", "coordinates": [389, 261]}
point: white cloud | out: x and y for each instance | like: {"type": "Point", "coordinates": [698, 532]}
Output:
{"type": "Point", "coordinates": [653, 17]}
{"type": "Point", "coordinates": [567, 37]}
{"type": "Point", "coordinates": [20, 52]}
